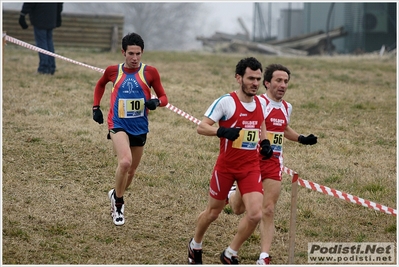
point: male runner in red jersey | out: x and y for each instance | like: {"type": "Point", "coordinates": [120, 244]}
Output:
{"type": "Point", "coordinates": [278, 112]}
{"type": "Point", "coordinates": [241, 127]}
{"type": "Point", "coordinates": [128, 114]}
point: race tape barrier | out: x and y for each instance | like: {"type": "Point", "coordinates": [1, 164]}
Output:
{"type": "Point", "coordinates": [37, 49]}
{"type": "Point", "coordinates": [304, 183]}
{"type": "Point", "coordinates": [338, 194]}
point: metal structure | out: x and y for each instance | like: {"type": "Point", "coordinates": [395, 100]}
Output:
{"type": "Point", "coordinates": [370, 26]}
{"type": "Point", "coordinates": [272, 18]}
{"type": "Point", "coordinates": [261, 29]}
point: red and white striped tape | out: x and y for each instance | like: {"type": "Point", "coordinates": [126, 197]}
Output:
{"type": "Point", "coordinates": [313, 186]}
{"type": "Point", "coordinates": [37, 49]}
{"type": "Point", "coordinates": [182, 113]}
{"type": "Point", "coordinates": [338, 194]}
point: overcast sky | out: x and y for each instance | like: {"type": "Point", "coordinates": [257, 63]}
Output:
{"type": "Point", "coordinates": [222, 16]}
{"type": "Point", "coordinates": [226, 14]}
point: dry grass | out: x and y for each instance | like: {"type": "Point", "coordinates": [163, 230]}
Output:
{"type": "Point", "coordinates": [58, 165]}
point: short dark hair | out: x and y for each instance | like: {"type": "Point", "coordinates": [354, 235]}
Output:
{"type": "Point", "coordinates": [249, 62]}
{"type": "Point", "coordinates": [132, 39]}
{"type": "Point", "coordinates": [268, 75]}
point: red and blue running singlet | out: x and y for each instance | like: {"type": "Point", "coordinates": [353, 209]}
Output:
{"type": "Point", "coordinates": [129, 94]}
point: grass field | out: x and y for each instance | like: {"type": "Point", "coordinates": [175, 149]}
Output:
{"type": "Point", "coordinates": [58, 166]}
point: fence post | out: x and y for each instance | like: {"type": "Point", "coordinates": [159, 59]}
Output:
{"type": "Point", "coordinates": [294, 194]}
{"type": "Point", "coordinates": [4, 43]}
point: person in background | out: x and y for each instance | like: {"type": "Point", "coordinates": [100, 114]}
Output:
{"type": "Point", "coordinates": [240, 115]}
{"type": "Point", "coordinates": [128, 114]}
{"type": "Point", "coordinates": [44, 17]}
{"type": "Point", "coordinates": [278, 112]}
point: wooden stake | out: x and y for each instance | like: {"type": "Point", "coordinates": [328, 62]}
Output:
{"type": "Point", "coordinates": [294, 194]}
{"type": "Point", "coordinates": [4, 43]}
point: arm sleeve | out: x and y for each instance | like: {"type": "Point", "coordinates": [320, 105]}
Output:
{"type": "Point", "coordinates": [289, 112]}
{"type": "Point", "coordinates": [102, 82]}
{"type": "Point", "coordinates": [290, 133]}
{"type": "Point", "coordinates": [222, 108]}
{"type": "Point", "coordinates": [155, 83]}
{"type": "Point", "coordinates": [27, 8]}
{"type": "Point", "coordinates": [59, 18]}
{"type": "Point", "coordinates": [59, 8]}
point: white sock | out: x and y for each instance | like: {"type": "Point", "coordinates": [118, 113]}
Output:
{"type": "Point", "coordinates": [230, 193]}
{"type": "Point", "coordinates": [230, 252]}
{"type": "Point", "coordinates": [263, 255]}
{"type": "Point", "coordinates": [195, 245]}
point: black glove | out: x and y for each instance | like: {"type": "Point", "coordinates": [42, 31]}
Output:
{"type": "Point", "coordinates": [98, 115]}
{"type": "Point", "coordinates": [265, 149]}
{"type": "Point", "coordinates": [22, 22]}
{"type": "Point", "coordinates": [152, 103]}
{"type": "Point", "coordinates": [229, 133]}
{"type": "Point", "coordinates": [308, 140]}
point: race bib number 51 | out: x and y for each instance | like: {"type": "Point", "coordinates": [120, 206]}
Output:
{"type": "Point", "coordinates": [131, 108]}
{"type": "Point", "coordinates": [248, 139]}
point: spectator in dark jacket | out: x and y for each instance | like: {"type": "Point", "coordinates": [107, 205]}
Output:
{"type": "Point", "coordinates": [44, 17]}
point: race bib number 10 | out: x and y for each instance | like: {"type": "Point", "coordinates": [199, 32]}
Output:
{"type": "Point", "coordinates": [131, 108]}
{"type": "Point", "coordinates": [248, 139]}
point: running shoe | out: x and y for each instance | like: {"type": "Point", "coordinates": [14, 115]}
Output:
{"type": "Point", "coordinates": [226, 260]}
{"type": "Point", "coordinates": [194, 255]}
{"type": "Point", "coordinates": [117, 209]}
{"type": "Point", "coordinates": [264, 261]}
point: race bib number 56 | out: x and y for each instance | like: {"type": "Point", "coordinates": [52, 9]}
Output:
{"type": "Point", "coordinates": [276, 140]}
